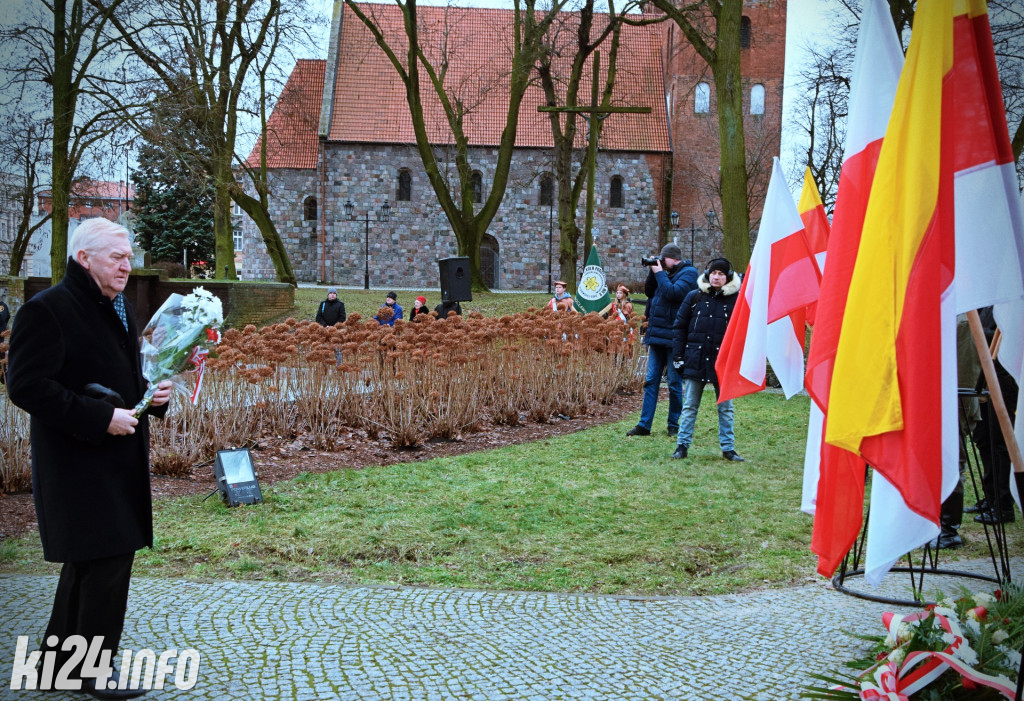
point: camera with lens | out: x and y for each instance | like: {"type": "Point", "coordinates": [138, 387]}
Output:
{"type": "Point", "coordinates": [650, 260]}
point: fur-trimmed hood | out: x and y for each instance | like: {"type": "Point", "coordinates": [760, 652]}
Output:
{"type": "Point", "coordinates": [729, 288]}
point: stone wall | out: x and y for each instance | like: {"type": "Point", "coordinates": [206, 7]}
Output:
{"type": "Point", "coordinates": [403, 251]}
{"type": "Point", "coordinates": [244, 302]}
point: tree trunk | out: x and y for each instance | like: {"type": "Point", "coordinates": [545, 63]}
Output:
{"type": "Point", "coordinates": [275, 247]}
{"type": "Point", "coordinates": [224, 242]}
{"type": "Point", "coordinates": [63, 122]}
{"type": "Point", "coordinates": [732, 146]}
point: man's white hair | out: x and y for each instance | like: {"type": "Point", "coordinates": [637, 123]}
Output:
{"type": "Point", "coordinates": [86, 237]}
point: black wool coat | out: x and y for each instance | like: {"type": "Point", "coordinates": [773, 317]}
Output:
{"type": "Point", "coordinates": [700, 327]}
{"type": "Point", "coordinates": [91, 489]}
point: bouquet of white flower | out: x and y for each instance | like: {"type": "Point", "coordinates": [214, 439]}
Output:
{"type": "Point", "coordinates": [177, 339]}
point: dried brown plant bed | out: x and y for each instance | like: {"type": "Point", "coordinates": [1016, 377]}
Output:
{"type": "Point", "coordinates": [415, 391]}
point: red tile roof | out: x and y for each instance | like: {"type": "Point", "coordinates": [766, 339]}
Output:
{"type": "Point", "coordinates": [370, 103]}
{"type": "Point", "coordinates": [292, 127]}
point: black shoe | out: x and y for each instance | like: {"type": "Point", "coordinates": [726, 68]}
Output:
{"type": "Point", "coordinates": [89, 687]}
{"type": "Point", "coordinates": [977, 508]}
{"type": "Point", "coordinates": [673, 431]}
{"type": "Point", "coordinates": [638, 431]}
{"type": "Point", "coordinates": [732, 455]}
{"type": "Point", "coordinates": [948, 539]}
{"type": "Point", "coordinates": [680, 452]}
{"type": "Point", "coordinates": [991, 517]}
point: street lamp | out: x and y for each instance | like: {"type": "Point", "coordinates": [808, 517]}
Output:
{"type": "Point", "coordinates": [674, 217]}
{"type": "Point", "coordinates": [383, 214]}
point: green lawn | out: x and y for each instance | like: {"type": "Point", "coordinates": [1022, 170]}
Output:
{"type": "Point", "coordinates": [592, 511]}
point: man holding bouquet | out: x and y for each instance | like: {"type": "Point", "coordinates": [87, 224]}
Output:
{"type": "Point", "coordinates": [90, 455]}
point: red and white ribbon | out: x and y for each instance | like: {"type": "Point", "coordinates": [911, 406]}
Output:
{"type": "Point", "coordinates": [198, 359]}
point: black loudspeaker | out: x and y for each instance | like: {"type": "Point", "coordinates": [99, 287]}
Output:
{"type": "Point", "coordinates": [456, 282]}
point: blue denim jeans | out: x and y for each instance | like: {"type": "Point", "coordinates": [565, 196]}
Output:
{"type": "Point", "coordinates": [658, 358]}
{"type": "Point", "coordinates": [694, 389]}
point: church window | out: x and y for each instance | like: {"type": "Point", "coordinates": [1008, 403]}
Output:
{"type": "Point", "coordinates": [744, 32]}
{"type": "Point", "coordinates": [615, 196]}
{"type": "Point", "coordinates": [702, 98]}
{"type": "Point", "coordinates": [309, 208]}
{"type": "Point", "coordinates": [404, 185]}
{"type": "Point", "coordinates": [757, 99]}
{"type": "Point", "coordinates": [547, 190]}
{"type": "Point", "coordinates": [476, 186]}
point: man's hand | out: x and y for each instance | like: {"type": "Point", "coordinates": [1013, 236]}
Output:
{"type": "Point", "coordinates": [122, 423]}
{"type": "Point", "coordinates": [656, 268]}
{"type": "Point", "coordinates": [163, 393]}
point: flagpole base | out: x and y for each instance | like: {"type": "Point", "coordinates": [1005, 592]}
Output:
{"type": "Point", "coordinates": [995, 534]}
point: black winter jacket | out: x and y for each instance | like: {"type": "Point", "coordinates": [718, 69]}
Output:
{"type": "Point", "coordinates": [700, 327]}
{"type": "Point", "coordinates": [665, 292]}
{"type": "Point", "coordinates": [330, 312]}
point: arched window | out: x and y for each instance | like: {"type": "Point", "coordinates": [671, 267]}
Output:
{"type": "Point", "coordinates": [476, 186]}
{"type": "Point", "coordinates": [702, 98]}
{"type": "Point", "coordinates": [547, 190]}
{"type": "Point", "coordinates": [757, 99]}
{"type": "Point", "coordinates": [309, 208]}
{"type": "Point", "coordinates": [744, 32]}
{"type": "Point", "coordinates": [404, 185]}
{"type": "Point", "coordinates": [615, 196]}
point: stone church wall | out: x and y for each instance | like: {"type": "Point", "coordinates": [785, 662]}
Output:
{"type": "Point", "coordinates": [403, 251]}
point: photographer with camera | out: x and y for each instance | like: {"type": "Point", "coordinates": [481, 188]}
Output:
{"type": "Point", "coordinates": [669, 280]}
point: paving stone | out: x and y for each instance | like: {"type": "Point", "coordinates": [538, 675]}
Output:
{"type": "Point", "coordinates": [275, 640]}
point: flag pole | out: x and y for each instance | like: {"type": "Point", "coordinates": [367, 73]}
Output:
{"type": "Point", "coordinates": [989, 368]}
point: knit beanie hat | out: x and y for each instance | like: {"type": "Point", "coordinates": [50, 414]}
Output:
{"type": "Point", "coordinates": [331, 291]}
{"type": "Point", "coordinates": [720, 264]}
{"type": "Point", "coordinates": [421, 299]}
{"type": "Point", "coordinates": [392, 295]}
{"type": "Point", "coordinates": [671, 250]}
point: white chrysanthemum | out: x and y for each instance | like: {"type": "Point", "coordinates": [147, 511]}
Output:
{"type": "Point", "coordinates": [897, 655]}
{"type": "Point", "coordinates": [966, 654]}
{"type": "Point", "coordinates": [202, 307]}
{"type": "Point", "coordinates": [999, 636]}
{"type": "Point", "coordinates": [973, 627]}
{"type": "Point", "coordinates": [944, 611]}
{"type": "Point", "coordinates": [946, 604]}
{"type": "Point", "coordinates": [905, 631]}
{"type": "Point", "coordinates": [948, 638]}
{"type": "Point", "coordinates": [1012, 656]}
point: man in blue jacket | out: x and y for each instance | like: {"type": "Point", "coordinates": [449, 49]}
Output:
{"type": "Point", "coordinates": [668, 283]}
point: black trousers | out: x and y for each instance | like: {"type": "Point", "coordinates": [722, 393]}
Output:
{"type": "Point", "coordinates": [91, 599]}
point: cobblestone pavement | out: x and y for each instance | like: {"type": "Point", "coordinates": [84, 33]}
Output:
{"type": "Point", "coordinates": [268, 640]}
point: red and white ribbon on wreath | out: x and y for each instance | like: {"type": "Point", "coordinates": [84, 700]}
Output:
{"type": "Point", "coordinates": [922, 667]}
{"type": "Point", "coordinates": [1001, 684]}
{"type": "Point", "coordinates": [198, 359]}
{"type": "Point", "coordinates": [887, 687]}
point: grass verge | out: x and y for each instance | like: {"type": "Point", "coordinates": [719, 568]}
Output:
{"type": "Point", "coordinates": [588, 512]}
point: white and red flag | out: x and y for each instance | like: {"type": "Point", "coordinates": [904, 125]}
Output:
{"type": "Point", "coordinates": [768, 320]}
{"type": "Point", "coordinates": [833, 477]}
{"type": "Point", "coordinates": [942, 233]}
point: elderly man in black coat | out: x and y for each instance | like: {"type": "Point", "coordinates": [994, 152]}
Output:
{"type": "Point", "coordinates": [90, 458]}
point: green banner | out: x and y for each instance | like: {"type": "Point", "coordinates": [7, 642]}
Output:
{"type": "Point", "coordinates": [592, 292]}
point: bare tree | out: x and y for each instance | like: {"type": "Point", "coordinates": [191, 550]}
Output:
{"type": "Point", "coordinates": [66, 46]}
{"type": "Point", "coordinates": [205, 52]}
{"type": "Point", "coordinates": [713, 29]}
{"type": "Point", "coordinates": [24, 160]}
{"type": "Point", "coordinates": [429, 59]}
{"type": "Point", "coordinates": [821, 111]}
{"type": "Point", "coordinates": [573, 39]}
